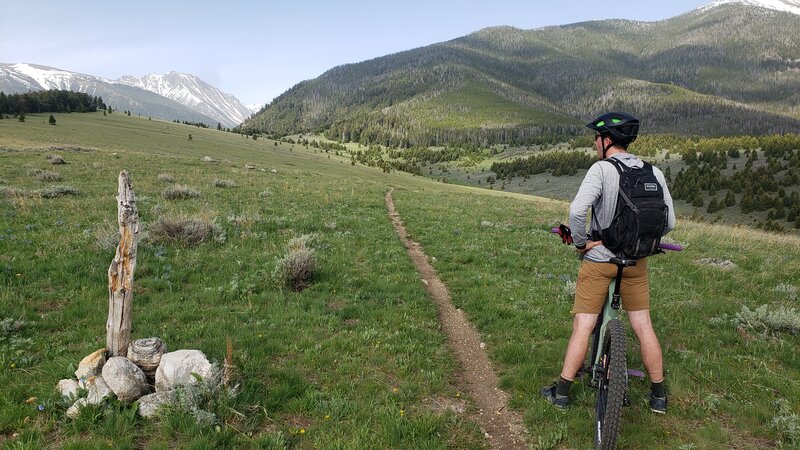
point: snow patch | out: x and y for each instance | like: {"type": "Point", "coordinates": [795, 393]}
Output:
{"type": "Point", "coordinates": [194, 93]}
{"type": "Point", "coordinates": [790, 6]}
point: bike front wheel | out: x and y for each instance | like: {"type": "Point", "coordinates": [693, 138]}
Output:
{"type": "Point", "coordinates": [611, 388]}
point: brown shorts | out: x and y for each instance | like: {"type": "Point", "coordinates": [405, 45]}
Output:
{"type": "Point", "coordinates": [592, 288]}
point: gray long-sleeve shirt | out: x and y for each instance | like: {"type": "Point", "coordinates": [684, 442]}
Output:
{"type": "Point", "coordinates": [599, 190]}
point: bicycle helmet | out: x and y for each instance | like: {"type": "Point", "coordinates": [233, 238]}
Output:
{"type": "Point", "coordinates": [622, 128]}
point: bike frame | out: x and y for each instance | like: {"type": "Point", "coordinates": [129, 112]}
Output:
{"type": "Point", "coordinates": [598, 335]}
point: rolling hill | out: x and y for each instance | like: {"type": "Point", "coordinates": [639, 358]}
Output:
{"type": "Point", "coordinates": [728, 68]}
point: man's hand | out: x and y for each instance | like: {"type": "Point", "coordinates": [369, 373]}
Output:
{"type": "Point", "coordinates": [589, 245]}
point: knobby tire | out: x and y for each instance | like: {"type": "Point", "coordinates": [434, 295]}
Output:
{"type": "Point", "coordinates": [611, 389]}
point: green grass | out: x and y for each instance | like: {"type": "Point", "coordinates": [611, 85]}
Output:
{"type": "Point", "coordinates": [510, 280]}
{"type": "Point", "coordinates": [334, 365]}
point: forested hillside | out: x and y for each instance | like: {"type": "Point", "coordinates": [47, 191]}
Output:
{"type": "Point", "coordinates": [728, 70]}
{"type": "Point", "coordinates": [49, 101]}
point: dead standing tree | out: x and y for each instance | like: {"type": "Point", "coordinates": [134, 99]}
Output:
{"type": "Point", "coordinates": [120, 273]}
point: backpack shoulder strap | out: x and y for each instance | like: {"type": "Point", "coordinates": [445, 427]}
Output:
{"type": "Point", "coordinates": [621, 168]}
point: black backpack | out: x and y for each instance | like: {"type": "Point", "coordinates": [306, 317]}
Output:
{"type": "Point", "coordinates": [641, 213]}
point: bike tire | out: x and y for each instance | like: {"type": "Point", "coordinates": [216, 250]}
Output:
{"type": "Point", "coordinates": [611, 388]}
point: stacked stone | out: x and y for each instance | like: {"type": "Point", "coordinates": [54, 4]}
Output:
{"type": "Point", "coordinates": [147, 368]}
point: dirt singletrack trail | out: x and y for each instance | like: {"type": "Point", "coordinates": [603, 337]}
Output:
{"type": "Point", "coordinates": [504, 428]}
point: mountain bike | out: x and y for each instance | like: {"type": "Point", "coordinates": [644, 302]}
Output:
{"type": "Point", "coordinates": [608, 357]}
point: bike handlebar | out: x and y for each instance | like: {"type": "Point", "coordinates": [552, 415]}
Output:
{"type": "Point", "coordinates": [662, 246]}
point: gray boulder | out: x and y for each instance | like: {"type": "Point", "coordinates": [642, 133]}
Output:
{"type": "Point", "coordinates": [177, 369]}
{"type": "Point", "coordinates": [187, 398]}
{"type": "Point", "coordinates": [75, 409]}
{"type": "Point", "coordinates": [150, 403]}
{"type": "Point", "coordinates": [125, 378]}
{"type": "Point", "coordinates": [98, 391]}
{"type": "Point", "coordinates": [68, 388]}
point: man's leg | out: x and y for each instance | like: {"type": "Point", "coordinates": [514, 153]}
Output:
{"type": "Point", "coordinates": [590, 292]}
{"type": "Point", "coordinates": [651, 357]}
{"type": "Point", "coordinates": [651, 348]}
{"type": "Point", "coordinates": [582, 327]}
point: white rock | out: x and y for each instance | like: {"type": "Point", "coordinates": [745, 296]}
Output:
{"type": "Point", "coordinates": [73, 410]}
{"type": "Point", "coordinates": [274, 171]}
{"type": "Point", "coordinates": [146, 353]}
{"type": "Point", "coordinates": [125, 378]}
{"type": "Point", "coordinates": [208, 159]}
{"type": "Point", "coordinates": [98, 390]}
{"type": "Point", "coordinates": [486, 224]}
{"type": "Point", "coordinates": [149, 404]}
{"type": "Point", "coordinates": [91, 365]}
{"type": "Point", "coordinates": [68, 388]}
{"type": "Point", "coordinates": [177, 367]}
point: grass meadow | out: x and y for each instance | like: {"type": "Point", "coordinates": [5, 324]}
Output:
{"type": "Point", "coordinates": [357, 359]}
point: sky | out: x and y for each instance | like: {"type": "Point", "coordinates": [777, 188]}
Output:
{"type": "Point", "coordinates": [257, 50]}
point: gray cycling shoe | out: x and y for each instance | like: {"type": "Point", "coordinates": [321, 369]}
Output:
{"type": "Point", "coordinates": [550, 394]}
{"type": "Point", "coordinates": [658, 404]}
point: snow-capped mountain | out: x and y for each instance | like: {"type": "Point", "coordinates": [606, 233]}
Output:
{"type": "Point", "coordinates": [254, 107]}
{"type": "Point", "coordinates": [17, 78]}
{"type": "Point", "coordinates": [791, 6]}
{"type": "Point", "coordinates": [193, 93]}
{"type": "Point", "coordinates": [172, 96]}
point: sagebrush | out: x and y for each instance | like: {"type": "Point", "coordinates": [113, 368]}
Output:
{"type": "Point", "coordinates": [185, 230]}
{"type": "Point", "coordinates": [179, 192]}
{"type": "Point", "coordinates": [297, 267]}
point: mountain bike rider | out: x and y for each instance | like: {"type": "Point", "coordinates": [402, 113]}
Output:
{"type": "Point", "coordinates": [599, 190]}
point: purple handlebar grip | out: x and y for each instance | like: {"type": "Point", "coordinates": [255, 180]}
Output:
{"type": "Point", "coordinates": [662, 246]}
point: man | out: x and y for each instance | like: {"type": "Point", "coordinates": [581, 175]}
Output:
{"type": "Point", "coordinates": [599, 190]}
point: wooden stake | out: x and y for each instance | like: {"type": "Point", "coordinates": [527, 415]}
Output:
{"type": "Point", "coordinates": [120, 273]}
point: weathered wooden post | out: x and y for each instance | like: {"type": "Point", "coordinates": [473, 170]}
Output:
{"type": "Point", "coordinates": [120, 273]}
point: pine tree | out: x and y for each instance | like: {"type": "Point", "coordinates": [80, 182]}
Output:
{"type": "Point", "coordinates": [713, 206]}
{"type": "Point", "coordinates": [730, 199]}
{"type": "Point", "coordinates": [51, 120]}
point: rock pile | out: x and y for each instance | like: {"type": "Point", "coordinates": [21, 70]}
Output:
{"type": "Point", "coordinates": [148, 375]}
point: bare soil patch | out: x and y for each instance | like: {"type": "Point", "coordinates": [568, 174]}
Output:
{"type": "Point", "coordinates": [503, 428]}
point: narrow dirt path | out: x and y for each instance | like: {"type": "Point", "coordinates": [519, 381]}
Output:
{"type": "Point", "coordinates": [504, 428]}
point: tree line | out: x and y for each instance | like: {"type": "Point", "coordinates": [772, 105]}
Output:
{"type": "Point", "coordinates": [557, 162]}
{"type": "Point", "coordinates": [57, 101]}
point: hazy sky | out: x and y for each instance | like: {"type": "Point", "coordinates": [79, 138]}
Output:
{"type": "Point", "coordinates": [257, 50]}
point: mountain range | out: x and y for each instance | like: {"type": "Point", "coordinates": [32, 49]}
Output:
{"type": "Point", "coordinates": [730, 67]}
{"type": "Point", "coordinates": [171, 96]}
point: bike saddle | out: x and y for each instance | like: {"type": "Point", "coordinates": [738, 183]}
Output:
{"type": "Point", "coordinates": [625, 262]}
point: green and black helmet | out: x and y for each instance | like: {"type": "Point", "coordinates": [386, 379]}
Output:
{"type": "Point", "coordinates": [622, 128]}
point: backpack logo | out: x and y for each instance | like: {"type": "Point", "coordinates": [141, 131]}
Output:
{"type": "Point", "coordinates": [651, 187]}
